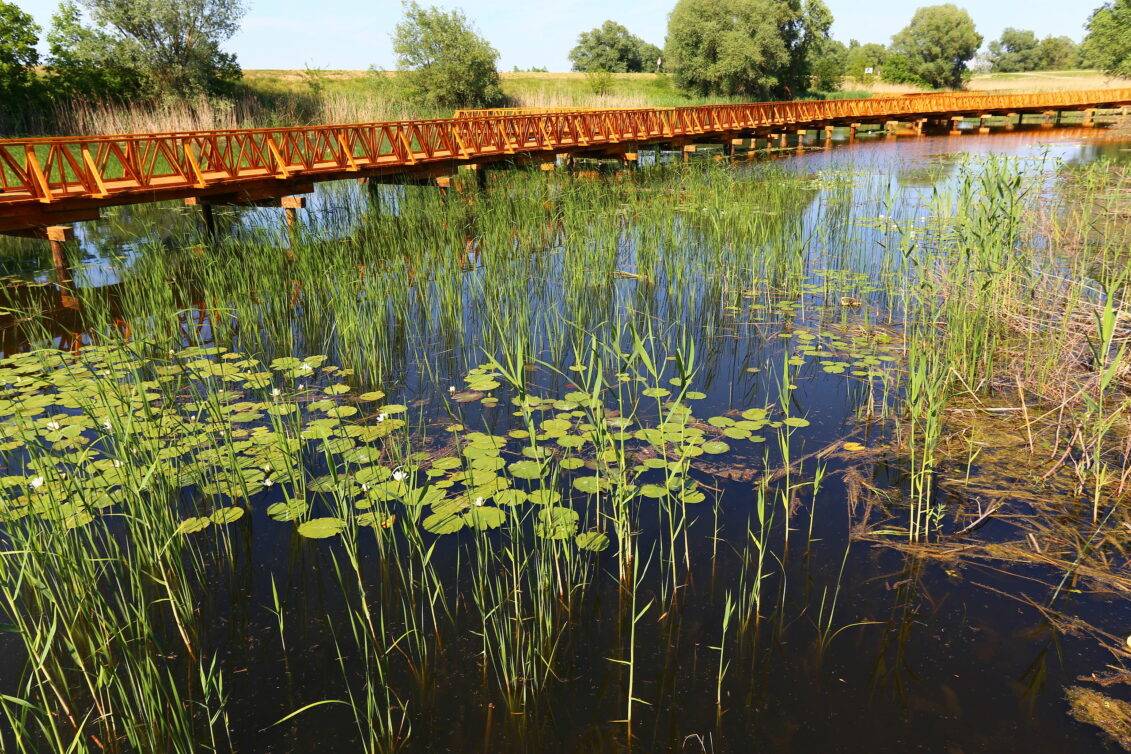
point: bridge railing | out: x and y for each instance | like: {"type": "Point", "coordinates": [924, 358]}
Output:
{"type": "Point", "coordinates": [50, 170]}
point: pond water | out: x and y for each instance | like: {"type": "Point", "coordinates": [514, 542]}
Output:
{"type": "Point", "coordinates": [591, 463]}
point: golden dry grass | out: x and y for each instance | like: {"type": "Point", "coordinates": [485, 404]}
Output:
{"type": "Point", "coordinates": [1041, 81]}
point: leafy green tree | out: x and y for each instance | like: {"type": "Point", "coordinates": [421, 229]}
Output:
{"type": "Point", "coordinates": [828, 61]}
{"type": "Point", "coordinates": [1059, 54]}
{"type": "Point", "coordinates": [935, 47]}
{"type": "Point", "coordinates": [443, 60]}
{"type": "Point", "coordinates": [611, 48]}
{"type": "Point", "coordinates": [860, 58]}
{"type": "Point", "coordinates": [18, 37]}
{"type": "Point", "coordinates": [750, 48]}
{"type": "Point", "coordinates": [161, 47]}
{"type": "Point", "coordinates": [82, 63]}
{"type": "Point", "coordinates": [1108, 43]}
{"type": "Point", "coordinates": [1017, 50]}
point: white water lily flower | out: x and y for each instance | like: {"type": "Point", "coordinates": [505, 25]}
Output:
{"type": "Point", "coordinates": [54, 426]}
{"type": "Point", "coordinates": [106, 424]}
{"type": "Point", "coordinates": [306, 367]}
{"type": "Point", "coordinates": [37, 483]}
{"type": "Point", "coordinates": [399, 476]}
{"type": "Point", "coordinates": [479, 501]}
{"type": "Point", "coordinates": [365, 488]}
{"type": "Point", "coordinates": [268, 482]}
{"type": "Point", "coordinates": [382, 417]}
{"type": "Point", "coordinates": [276, 393]}
{"type": "Point", "coordinates": [117, 464]}
{"type": "Point", "coordinates": [451, 388]}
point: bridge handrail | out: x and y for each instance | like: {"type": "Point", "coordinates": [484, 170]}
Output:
{"type": "Point", "coordinates": [50, 169]}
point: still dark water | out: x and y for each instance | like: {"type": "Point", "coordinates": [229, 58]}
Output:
{"type": "Point", "coordinates": [861, 647]}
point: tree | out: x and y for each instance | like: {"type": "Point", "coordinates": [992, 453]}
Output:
{"type": "Point", "coordinates": [1017, 50]}
{"type": "Point", "coordinates": [611, 48]}
{"type": "Point", "coordinates": [1058, 54]}
{"type": "Point", "coordinates": [1108, 43]}
{"type": "Point", "coordinates": [164, 47]}
{"type": "Point", "coordinates": [864, 62]}
{"type": "Point", "coordinates": [828, 59]}
{"type": "Point", "coordinates": [443, 60]}
{"type": "Point", "coordinates": [18, 37]}
{"type": "Point", "coordinates": [935, 47]}
{"type": "Point", "coordinates": [82, 61]}
{"type": "Point", "coordinates": [751, 48]}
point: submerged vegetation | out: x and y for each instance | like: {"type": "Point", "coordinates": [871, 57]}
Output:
{"type": "Point", "coordinates": [593, 461]}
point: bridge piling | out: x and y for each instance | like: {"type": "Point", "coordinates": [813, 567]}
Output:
{"type": "Point", "coordinates": [209, 222]}
{"type": "Point", "coordinates": [57, 235]}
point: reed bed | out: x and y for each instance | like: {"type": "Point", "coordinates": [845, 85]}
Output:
{"type": "Point", "coordinates": [434, 446]}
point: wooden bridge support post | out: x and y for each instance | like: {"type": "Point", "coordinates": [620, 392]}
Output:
{"type": "Point", "coordinates": [57, 235]}
{"type": "Point", "coordinates": [1009, 118]}
{"type": "Point", "coordinates": [209, 222]}
{"type": "Point", "coordinates": [955, 122]}
{"type": "Point", "coordinates": [291, 205]}
{"type": "Point", "coordinates": [852, 131]}
{"type": "Point", "coordinates": [443, 183]}
{"type": "Point", "coordinates": [373, 191]}
{"type": "Point", "coordinates": [1089, 118]}
{"type": "Point", "coordinates": [478, 174]}
{"type": "Point", "coordinates": [984, 123]}
{"type": "Point", "coordinates": [688, 150]}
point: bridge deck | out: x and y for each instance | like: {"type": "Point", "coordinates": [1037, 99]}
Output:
{"type": "Point", "coordinates": [50, 180]}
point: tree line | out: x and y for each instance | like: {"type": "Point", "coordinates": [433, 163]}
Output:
{"type": "Point", "coordinates": [124, 49]}
{"type": "Point", "coordinates": [144, 50]}
{"type": "Point", "coordinates": [783, 47]}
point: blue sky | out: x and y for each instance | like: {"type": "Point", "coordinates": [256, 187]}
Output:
{"type": "Point", "coordinates": [354, 34]}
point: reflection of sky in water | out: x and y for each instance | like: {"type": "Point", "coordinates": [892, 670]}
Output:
{"type": "Point", "coordinates": [916, 167]}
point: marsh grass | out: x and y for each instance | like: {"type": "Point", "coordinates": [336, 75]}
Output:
{"type": "Point", "coordinates": [490, 421]}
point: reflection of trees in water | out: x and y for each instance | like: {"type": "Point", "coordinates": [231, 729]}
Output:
{"type": "Point", "coordinates": [1114, 152]}
{"type": "Point", "coordinates": [926, 173]}
{"type": "Point", "coordinates": [165, 225]}
{"type": "Point", "coordinates": [23, 257]}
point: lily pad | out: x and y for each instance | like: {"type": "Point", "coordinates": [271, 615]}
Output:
{"type": "Point", "coordinates": [527, 470]}
{"type": "Point", "coordinates": [444, 522]}
{"type": "Point", "coordinates": [593, 541]}
{"type": "Point", "coordinates": [194, 525]}
{"type": "Point", "coordinates": [485, 517]}
{"type": "Point", "coordinates": [227, 515]}
{"type": "Point", "coordinates": [322, 528]}
{"type": "Point", "coordinates": [556, 522]}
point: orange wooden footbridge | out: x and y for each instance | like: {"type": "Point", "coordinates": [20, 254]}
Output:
{"type": "Point", "coordinates": [49, 182]}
